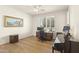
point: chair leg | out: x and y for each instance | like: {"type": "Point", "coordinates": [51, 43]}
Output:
{"type": "Point", "coordinates": [52, 49]}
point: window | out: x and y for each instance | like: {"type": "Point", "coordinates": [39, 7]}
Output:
{"type": "Point", "coordinates": [48, 22]}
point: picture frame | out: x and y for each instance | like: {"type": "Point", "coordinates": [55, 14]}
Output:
{"type": "Point", "coordinates": [10, 21]}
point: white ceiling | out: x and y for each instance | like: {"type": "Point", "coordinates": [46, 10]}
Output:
{"type": "Point", "coordinates": [42, 9]}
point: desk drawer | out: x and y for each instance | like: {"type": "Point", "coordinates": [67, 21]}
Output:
{"type": "Point", "coordinates": [49, 36]}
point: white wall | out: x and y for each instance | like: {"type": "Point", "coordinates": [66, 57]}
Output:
{"type": "Point", "coordinates": [68, 16]}
{"type": "Point", "coordinates": [74, 21]}
{"type": "Point", "coordinates": [60, 20]}
{"type": "Point", "coordinates": [23, 32]}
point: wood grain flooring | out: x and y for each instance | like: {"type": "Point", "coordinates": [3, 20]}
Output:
{"type": "Point", "coordinates": [27, 45]}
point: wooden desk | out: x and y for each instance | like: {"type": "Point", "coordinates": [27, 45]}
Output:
{"type": "Point", "coordinates": [48, 35]}
{"type": "Point", "coordinates": [72, 47]}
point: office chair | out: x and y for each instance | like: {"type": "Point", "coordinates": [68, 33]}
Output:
{"type": "Point", "coordinates": [60, 45]}
{"type": "Point", "coordinates": [42, 35]}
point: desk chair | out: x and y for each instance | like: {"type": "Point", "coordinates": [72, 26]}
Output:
{"type": "Point", "coordinates": [59, 43]}
{"type": "Point", "coordinates": [42, 35]}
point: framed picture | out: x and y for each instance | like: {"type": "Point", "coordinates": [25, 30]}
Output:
{"type": "Point", "coordinates": [12, 21]}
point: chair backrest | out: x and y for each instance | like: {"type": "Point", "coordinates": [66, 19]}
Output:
{"type": "Point", "coordinates": [41, 33]}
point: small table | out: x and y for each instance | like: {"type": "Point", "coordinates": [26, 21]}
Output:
{"type": "Point", "coordinates": [13, 38]}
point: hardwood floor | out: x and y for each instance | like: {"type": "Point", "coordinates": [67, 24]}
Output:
{"type": "Point", "coordinates": [27, 45]}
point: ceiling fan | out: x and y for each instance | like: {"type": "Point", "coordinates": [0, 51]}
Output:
{"type": "Point", "coordinates": [38, 8]}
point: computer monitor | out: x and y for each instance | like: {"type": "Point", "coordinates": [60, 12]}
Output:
{"type": "Point", "coordinates": [40, 28]}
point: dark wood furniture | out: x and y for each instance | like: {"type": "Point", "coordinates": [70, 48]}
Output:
{"type": "Point", "coordinates": [71, 47]}
{"type": "Point", "coordinates": [74, 47]}
{"type": "Point", "coordinates": [48, 36]}
{"type": "Point", "coordinates": [13, 38]}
